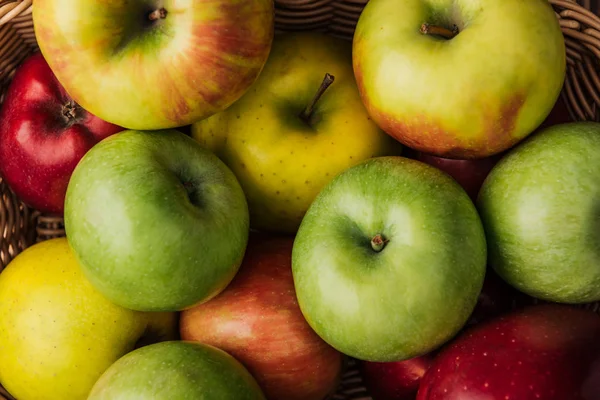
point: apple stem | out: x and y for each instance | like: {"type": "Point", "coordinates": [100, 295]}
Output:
{"type": "Point", "coordinates": [428, 29]}
{"type": "Point", "coordinates": [307, 112]}
{"type": "Point", "coordinates": [378, 242]}
{"type": "Point", "coordinates": [161, 13]}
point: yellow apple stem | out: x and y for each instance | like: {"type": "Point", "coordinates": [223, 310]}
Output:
{"type": "Point", "coordinates": [428, 29]}
{"type": "Point", "coordinates": [378, 242]}
{"type": "Point", "coordinates": [157, 14]}
{"type": "Point", "coordinates": [307, 112]}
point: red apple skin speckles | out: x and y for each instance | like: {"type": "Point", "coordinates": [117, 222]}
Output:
{"type": "Point", "coordinates": [541, 352]}
{"type": "Point", "coordinates": [258, 321]}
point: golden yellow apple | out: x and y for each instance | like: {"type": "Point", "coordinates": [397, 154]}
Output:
{"type": "Point", "coordinates": [301, 123]}
{"type": "Point", "coordinates": [57, 333]}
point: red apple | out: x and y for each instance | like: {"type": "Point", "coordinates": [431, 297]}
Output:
{"type": "Point", "coordinates": [470, 174]}
{"type": "Point", "coordinates": [395, 380]}
{"type": "Point", "coordinates": [541, 352]}
{"type": "Point", "coordinates": [43, 135]}
{"type": "Point", "coordinates": [258, 321]}
{"type": "Point", "coordinates": [496, 297]}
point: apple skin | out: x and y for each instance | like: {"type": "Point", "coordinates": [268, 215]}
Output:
{"type": "Point", "coordinates": [496, 297]}
{"type": "Point", "coordinates": [158, 223]}
{"type": "Point", "coordinates": [57, 333]}
{"type": "Point", "coordinates": [149, 75]}
{"type": "Point", "coordinates": [411, 296]}
{"type": "Point", "coordinates": [395, 380]}
{"type": "Point", "coordinates": [257, 320]}
{"type": "Point", "coordinates": [401, 380]}
{"type": "Point", "coordinates": [281, 161]}
{"type": "Point", "coordinates": [472, 96]}
{"type": "Point", "coordinates": [43, 135]}
{"type": "Point", "coordinates": [538, 206]}
{"type": "Point", "coordinates": [470, 174]}
{"type": "Point", "coordinates": [177, 370]}
{"type": "Point", "coordinates": [548, 352]}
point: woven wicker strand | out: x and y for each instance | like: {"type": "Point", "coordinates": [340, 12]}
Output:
{"type": "Point", "coordinates": [20, 226]}
{"type": "Point", "coordinates": [16, 226]}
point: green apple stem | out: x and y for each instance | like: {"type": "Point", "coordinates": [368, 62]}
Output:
{"type": "Point", "coordinates": [161, 13]}
{"type": "Point", "coordinates": [378, 242]}
{"type": "Point", "coordinates": [307, 112]}
{"type": "Point", "coordinates": [428, 29]}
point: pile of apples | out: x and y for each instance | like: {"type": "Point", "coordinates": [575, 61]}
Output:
{"type": "Point", "coordinates": [245, 211]}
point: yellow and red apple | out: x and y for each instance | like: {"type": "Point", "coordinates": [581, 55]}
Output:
{"type": "Point", "coordinates": [459, 78]}
{"type": "Point", "coordinates": [154, 65]}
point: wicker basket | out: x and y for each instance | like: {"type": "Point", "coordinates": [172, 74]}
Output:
{"type": "Point", "coordinates": [21, 226]}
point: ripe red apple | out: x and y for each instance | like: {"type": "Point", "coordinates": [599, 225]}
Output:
{"type": "Point", "coordinates": [470, 174]}
{"type": "Point", "coordinates": [496, 297]}
{"type": "Point", "coordinates": [43, 135]}
{"type": "Point", "coordinates": [545, 352]}
{"type": "Point", "coordinates": [257, 320]}
{"type": "Point", "coordinates": [395, 380]}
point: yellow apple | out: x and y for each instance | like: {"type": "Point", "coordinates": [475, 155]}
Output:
{"type": "Point", "coordinates": [57, 333]}
{"type": "Point", "coordinates": [301, 123]}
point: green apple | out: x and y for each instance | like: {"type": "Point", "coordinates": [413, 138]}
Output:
{"type": "Point", "coordinates": [295, 129]}
{"type": "Point", "coordinates": [157, 222]}
{"type": "Point", "coordinates": [154, 64]}
{"type": "Point", "coordinates": [177, 370]}
{"type": "Point", "coordinates": [57, 333]}
{"type": "Point", "coordinates": [459, 78]}
{"type": "Point", "coordinates": [389, 260]}
{"type": "Point", "coordinates": [540, 207]}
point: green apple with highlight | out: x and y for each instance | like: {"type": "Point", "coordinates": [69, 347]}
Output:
{"type": "Point", "coordinates": [459, 78]}
{"type": "Point", "coordinates": [389, 260]}
{"type": "Point", "coordinates": [158, 222]}
{"type": "Point", "coordinates": [177, 370]}
{"type": "Point", "coordinates": [540, 206]}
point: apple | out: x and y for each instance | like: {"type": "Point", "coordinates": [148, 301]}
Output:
{"type": "Point", "coordinates": [389, 260]}
{"type": "Point", "coordinates": [257, 320]}
{"type": "Point", "coordinates": [43, 135]}
{"type": "Point", "coordinates": [469, 173]}
{"type": "Point", "coordinates": [155, 65]}
{"type": "Point", "coordinates": [395, 380]}
{"type": "Point", "coordinates": [157, 222]}
{"type": "Point", "coordinates": [299, 125]}
{"type": "Point", "coordinates": [539, 205]}
{"type": "Point", "coordinates": [548, 352]}
{"type": "Point", "coordinates": [459, 78]}
{"type": "Point", "coordinates": [496, 297]}
{"type": "Point", "coordinates": [57, 333]}
{"type": "Point", "coordinates": [177, 370]}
